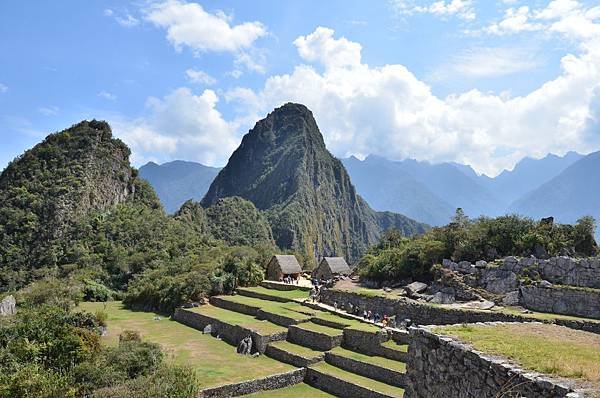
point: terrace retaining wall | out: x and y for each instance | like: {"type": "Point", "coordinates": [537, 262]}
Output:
{"type": "Point", "coordinates": [233, 306]}
{"type": "Point", "coordinates": [372, 371]}
{"type": "Point", "coordinates": [312, 339]}
{"type": "Point", "coordinates": [291, 358]}
{"type": "Point", "coordinates": [440, 367]}
{"type": "Point", "coordinates": [339, 387]}
{"type": "Point", "coordinates": [370, 343]}
{"type": "Point", "coordinates": [283, 286]}
{"type": "Point", "coordinates": [273, 382]}
{"type": "Point", "coordinates": [278, 319]}
{"type": "Point", "coordinates": [561, 300]}
{"type": "Point", "coordinates": [262, 296]}
{"type": "Point", "coordinates": [232, 334]}
{"type": "Point", "coordinates": [424, 314]}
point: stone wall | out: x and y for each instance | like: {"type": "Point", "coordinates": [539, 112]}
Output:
{"type": "Point", "coordinates": [291, 358]}
{"type": "Point", "coordinates": [278, 319]}
{"type": "Point", "coordinates": [337, 386]}
{"type": "Point", "coordinates": [440, 367]}
{"type": "Point", "coordinates": [252, 293]}
{"type": "Point", "coordinates": [561, 300]}
{"type": "Point", "coordinates": [312, 339]}
{"type": "Point", "coordinates": [370, 343]}
{"type": "Point", "coordinates": [283, 286]}
{"type": "Point", "coordinates": [273, 382]}
{"type": "Point", "coordinates": [232, 334]}
{"type": "Point", "coordinates": [372, 371]}
{"type": "Point", "coordinates": [233, 306]}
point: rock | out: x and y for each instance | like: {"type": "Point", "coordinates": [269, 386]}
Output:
{"type": "Point", "coordinates": [486, 305]}
{"type": "Point", "coordinates": [481, 264]}
{"type": "Point", "coordinates": [8, 306]}
{"type": "Point", "coordinates": [545, 284]}
{"type": "Point", "coordinates": [443, 298]}
{"type": "Point", "coordinates": [511, 298]}
{"type": "Point", "coordinates": [207, 329]}
{"type": "Point", "coordinates": [415, 287]}
{"type": "Point", "coordinates": [387, 289]}
{"type": "Point", "coordinates": [539, 251]}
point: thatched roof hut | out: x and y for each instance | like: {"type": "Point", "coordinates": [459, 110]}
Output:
{"type": "Point", "coordinates": [283, 265]}
{"type": "Point", "coordinates": [330, 267]}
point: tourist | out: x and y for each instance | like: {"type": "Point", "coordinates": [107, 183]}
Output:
{"type": "Point", "coordinates": [376, 317]}
{"type": "Point", "coordinates": [335, 306]}
{"type": "Point", "coordinates": [365, 315]}
{"type": "Point", "coordinates": [385, 321]}
{"type": "Point", "coordinates": [392, 321]}
{"type": "Point", "coordinates": [370, 315]}
{"type": "Point", "coordinates": [350, 308]}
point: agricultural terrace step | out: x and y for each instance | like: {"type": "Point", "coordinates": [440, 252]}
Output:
{"type": "Point", "coordinates": [347, 384]}
{"type": "Point", "coordinates": [271, 294]}
{"type": "Point", "coordinates": [301, 390]}
{"type": "Point", "coordinates": [294, 354]}
{"type": "Point", "coordinates": [239, 319]}
{"type": "Point", "coordinates": [315, 336]}
{"type": "Point", "coordinates": [374, 367]}
{"type": "Point", "coordinates": [283, 286]}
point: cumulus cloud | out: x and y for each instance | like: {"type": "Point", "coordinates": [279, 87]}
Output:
{"type": "Point", "coordinates": [200, 77]}
{"type": "Point", "coordinates": [189, 25]}
{"type": "Point", "coordinates": [182, 125]}
{"type": "Point", "coordinates": [388, 111]}
{"type": "Point", "coordinates": [452, 8]}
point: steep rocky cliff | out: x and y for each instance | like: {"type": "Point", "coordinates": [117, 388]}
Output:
{"type": "Point", "coordinates": [284, 168]}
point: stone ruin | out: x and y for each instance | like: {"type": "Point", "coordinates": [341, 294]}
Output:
{"type": "Point", "coordinates": [8, 306]}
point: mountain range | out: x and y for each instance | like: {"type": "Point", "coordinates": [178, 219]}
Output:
{"type": "Point", "coordinates": [430, 193]}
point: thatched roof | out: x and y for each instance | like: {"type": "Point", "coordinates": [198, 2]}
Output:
{"type": "Point", "coordinates": [287, 263]}
{"type": "Point", "coordinates": [337, 265]}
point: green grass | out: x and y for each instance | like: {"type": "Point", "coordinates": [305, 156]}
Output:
{"type": "Point", "coordinates": [395, 346]}
{"type": "Point", "coordinates": [375, 360]}
{"type": "Point", "coordinates": [296, 391]}
{"type": "Point", "coordinates": [320, 329]}
{"type": "Point", "coordinates": [359, 380]}
{"type": "Point", "coordinates": [544, 316]}
{"type": "Point", "coordinates": [296, 349]}
{"type": "Point", "coordinates": [549, 349]}
{"type": "Point", "coordinates": [286, 294]}
{"type": "Point", "coordinates": [215, 361]}
{"type": "Point", "coordinates": [291, 310]}
{"type": "Point", "coordinates": [237, 318]}
{"type": "Point", "coordinates": [363, 291]}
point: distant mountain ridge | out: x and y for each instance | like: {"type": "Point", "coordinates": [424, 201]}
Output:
{"type": "Point", "coordinates": [284, 168]}
{"type": "Point", "coordinates": [178, 181]}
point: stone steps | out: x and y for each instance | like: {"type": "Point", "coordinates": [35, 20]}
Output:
{"type": "Point", "coordinates": [342, 383]}
{"type": "Point", "coordinates": [312, 335]}
{"type": "Point", "coordinates": [374, 367]}
{"type": "Point", "coordinates": [294, 354]}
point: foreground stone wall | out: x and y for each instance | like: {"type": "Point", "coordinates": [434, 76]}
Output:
{"type": "Point", "coordinates": [440, 367]}
{"type": "Point", "coordinates": [232, 334]}
{"type": "Point", "coordinates": [372, 371]}
{"type": "Point", "coordinates": [312, 339]}
{"type": "Point", "coordinates": [273, 382]}
{"type": "Point", "coordinates": [339, 387]}
{"type": "Point", "coordinates": [561, 300]}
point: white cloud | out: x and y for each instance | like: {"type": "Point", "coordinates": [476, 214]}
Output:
{"type": "Point", "coordinates": [188, 24]}
{"type": "Point", "coordinates": [388, 111]}
{"type": "Point", "coordinates": [108, 12]}
{"type": "Point", "coordinates": [487, 62]}
{"type": "Point", "coordinates": [107, 95]}
{"type": "Point", "coordinates": [200, 77]}
{"type": "Point", "coordinates": [48, 110]}
{"type": "Point", "coordinates": [127, 21]}
{"type": "Point", "coordinates": [459, 8]}
{"type": "Point", "coordinates": [181, 125]}
{"type": "Point", "coordinates": [3, 88]}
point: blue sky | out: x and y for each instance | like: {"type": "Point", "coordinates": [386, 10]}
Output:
{"type": "Point", "coordinates": [479, 82]}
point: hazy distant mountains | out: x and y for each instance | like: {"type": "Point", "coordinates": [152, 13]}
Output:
{"type": "Point", "coordinates": [178, 181]}
{"type": "Point", "coordinates": [566, 187]}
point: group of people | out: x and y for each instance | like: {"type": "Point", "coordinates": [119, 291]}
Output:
{"type": "Point", "coordinates": [290, 280]}
{"type": "Point", "coordinates": [368, 315]}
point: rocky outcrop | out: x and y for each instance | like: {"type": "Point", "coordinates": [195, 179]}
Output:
{"type": "Point", "coordinates": [561, 300]}
{"type": "Point", "coordinates": [8, 306]}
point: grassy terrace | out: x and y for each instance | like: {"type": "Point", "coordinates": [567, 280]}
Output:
{"type": "Point", "coordinates": [359, 380]}
{"type": "Point", "coordinates": [375, 360]}
{"type": "Point", "coordinates": [395, 346]}
{"type": "Point", "coordinates": [549, 349]}
{"type": "Point", "coordinates": [544, 316]}
{"type": "Point", "coordinates": [320, 329]}
{"type": "Point", "coordinates": [296, 349]}
{"type": "Point", "coordinates": [237, 318]}
{"type": "Point", "coordinates": [286, 294]}
{"type": "Point", "coordinates": [296, 391]}
{"type": "Point", "coordinates": [215, 361]}
{"type": "Point", "coordinates": [290, 309]}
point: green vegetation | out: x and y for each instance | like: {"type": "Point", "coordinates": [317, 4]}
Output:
{"type": "Point", "coordinates": [397, 257]}
{"type": "Point", "coordinates": [213, 361]}
{"type": "Point", "coordinates": [296, 391]}
{"type": "Point", "coordinates": [296, 349]}
{"type": "Point", "coordinates": [290, 295]}
{"type": "Point", "coordinates": [549, 349]}
{"type": "Point", "coordinates": [395, 346]}
{"type": "Point", "coordinates": [359, 380]}
{"type": "Point", "coordinates": [375, 360]}
{"type": "Point", "coordinates": [237, 318]}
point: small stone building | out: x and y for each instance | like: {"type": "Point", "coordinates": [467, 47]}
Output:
{"type": "Point", "coordinates": [330, 267]}
{"type": "Point", "coordinates": [281, 266]}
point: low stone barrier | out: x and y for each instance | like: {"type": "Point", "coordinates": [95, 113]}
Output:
{"type": "Point", "coordinates": [440, 367]}
{"type": "Point", "coordinates": [291, 358]}
{"type": "Point", "coordinates": [372, 371]}
{"type": "Point", "coordinates": [339, 387]}
{"type": "Point", "coordinates": [283, 286]}
{"type": "Point", "coordinates": [312, 339]}
{"type": "Point", "coordinates": [329, 323]}
{"type": "Point", "coordinates": [278, 319]}
{"type": "Point", "coordinates": [561, 300]}
{"type": "Point", "coordinates": [273, 382]}
{"type": "Point", "coordinates": [424, 314]}
{"type": "Point", "coordinates": [258, 295]}
{"type": "Point", "coordinates": [232, 334]}
{"type": "Point", "coordinates": [221, 302]}
{"type": "Point", "coordinates": [370, 344]}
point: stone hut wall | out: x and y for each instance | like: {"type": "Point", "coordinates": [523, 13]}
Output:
{"type": "Point", "coordinates": [440, 367]}
{"type": "Point", "coordinates": [561, 300]}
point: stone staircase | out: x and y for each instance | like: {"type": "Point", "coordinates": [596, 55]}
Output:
{"type": "Point", "coordinates": [341, 355]}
